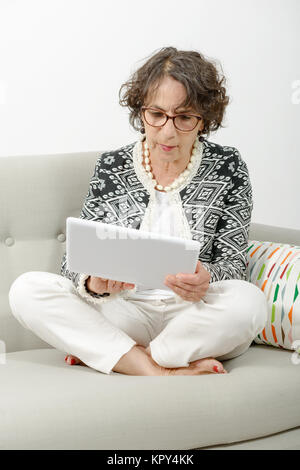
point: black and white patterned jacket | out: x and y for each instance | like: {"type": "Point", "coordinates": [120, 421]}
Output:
{"type": "Point", "coordinates": [215, 205]}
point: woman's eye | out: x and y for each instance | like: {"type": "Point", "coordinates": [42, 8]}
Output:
{"type": "Point", "coordinates": [155, 114]}
{"type": "Point", "coordinates": [185, 118]}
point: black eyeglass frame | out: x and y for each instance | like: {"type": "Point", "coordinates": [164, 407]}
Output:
{"type": "Point", "coordinates": [144, 108]}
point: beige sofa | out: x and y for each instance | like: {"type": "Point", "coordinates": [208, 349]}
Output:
{"type": "Point", "coordinates": [46, 404]}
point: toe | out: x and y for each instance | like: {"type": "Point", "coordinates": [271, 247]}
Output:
{"type": "Point", "coordinates": [72, 360]}
{"type": "Point", "coordinates": [210, 365]}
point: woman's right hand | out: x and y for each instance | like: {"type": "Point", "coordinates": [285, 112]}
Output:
{"type": "Point", "coordinates": [99, 285]}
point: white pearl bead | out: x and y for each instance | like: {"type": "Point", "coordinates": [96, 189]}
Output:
{"type": "Point", "coordinates": [148, 167]}
{"type": "Point", "coordinates": [159, 186]}
{"type": "Point", "coordinates": [190, 166]}
{"type": "Point", "coordinates": [186, 172]}
{"type": "Point", "coordinates": [181, 179]}
{"type": "Point", "coordinates": [147, 160]}
{"type": "Point", "coordinates": [167, 188]}
{"type": "Point", "coordinates": [146, 145]}
{"type": "Point", "coordinates": [193, 158]}
{"type": "Point", "coordinates": [146, 153]}
{"type": "Point", "coordinates": [154, 182]}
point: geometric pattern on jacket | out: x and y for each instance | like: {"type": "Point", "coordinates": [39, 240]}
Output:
{"type": "Point", "coordinates": [216, 204]}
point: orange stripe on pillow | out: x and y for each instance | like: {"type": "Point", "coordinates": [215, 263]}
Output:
{"type": "Point", "coordinates": [255, 250]}
{"type": "Point", "coordinates": [271, 254]}
{"type": "Point", "coordinates": [264, 334]}
{"type": "Point", "coordinates": [290, 314]}
{"type": "Point", "coordinates": [286, 257]}
{"type": "Point", "coordinates": [274, 333]}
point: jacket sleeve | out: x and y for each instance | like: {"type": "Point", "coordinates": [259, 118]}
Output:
{"type": "Point", "coordinates": [94, 208]}
{"type": "Point", "coordinates": [230, 245]}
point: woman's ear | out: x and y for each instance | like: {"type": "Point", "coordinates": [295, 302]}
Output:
{"type": "Point", "coordinates": [142, 127]}
{"type": "Point", "coordinates": [142, 124]}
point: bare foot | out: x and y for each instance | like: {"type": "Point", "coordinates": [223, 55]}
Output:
{"type": "Point", "coordinates": [207, 365]}
{"type": "Point", "coordinates": [73, 360]}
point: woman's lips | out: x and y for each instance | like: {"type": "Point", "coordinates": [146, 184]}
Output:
{"type": "Point", "coordinates": [166, 148]}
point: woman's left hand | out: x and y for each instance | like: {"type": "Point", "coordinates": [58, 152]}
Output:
{"type": "Point", "coordinates": [190, 287]}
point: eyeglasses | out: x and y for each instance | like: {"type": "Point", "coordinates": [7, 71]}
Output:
{"type": "Point", "coordinates": [182, 122]}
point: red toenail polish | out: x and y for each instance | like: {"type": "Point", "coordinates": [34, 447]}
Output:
{"type": "Point", "coordinates": [215, 368]}
{"type": "Point", "coordinates": [72, 362]}
{"type": "Point", "coordinates": [66, 358]}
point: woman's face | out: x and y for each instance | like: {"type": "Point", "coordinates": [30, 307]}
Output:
{"type": "Point", "coordinates": [168, 97]}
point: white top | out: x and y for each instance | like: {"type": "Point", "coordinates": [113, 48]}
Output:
{"type": "Point", "coordinates": [164, 220]}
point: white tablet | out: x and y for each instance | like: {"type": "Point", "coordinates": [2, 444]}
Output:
{"type": "Point", "coordinates": [126, 254]}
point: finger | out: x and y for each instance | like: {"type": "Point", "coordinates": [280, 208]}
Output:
{"type": "Point", "coordinates": [118, 286]}
{"type": "Point", "coordinates": [115, 286]}
{"type": "Point", "coordinates": [182, 292]}
{"type": "Point", "coordinates": [198, 267]}
{"type": "Point", "coordinates": [188, 288]}
{"type": "Point", "coordinates": [127, 285]}
{"type": "Point", "coordinates": [111, 285]}
{"type": "Point", "coordinates": [102, 283]}
{"type": "Point", "coordinates": [184, 285]}
{"type": "Point", "coordinates": [189, 279]}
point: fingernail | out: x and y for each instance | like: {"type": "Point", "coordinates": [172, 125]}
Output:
{"type": "Point", "coordinates": [215, 368]}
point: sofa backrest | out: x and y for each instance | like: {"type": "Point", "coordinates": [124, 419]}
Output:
{"type": "Point", "coordinates": [37, 194]}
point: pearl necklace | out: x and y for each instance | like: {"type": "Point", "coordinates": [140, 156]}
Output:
{"type": "Point", "coordinates": [181, 178]}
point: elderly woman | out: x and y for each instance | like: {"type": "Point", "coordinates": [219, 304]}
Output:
{"type": "Point", "coordinates": [171, 180]}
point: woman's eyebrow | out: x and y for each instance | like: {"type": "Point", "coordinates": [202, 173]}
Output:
{"type": "Point", "coordinates": [162, 109]}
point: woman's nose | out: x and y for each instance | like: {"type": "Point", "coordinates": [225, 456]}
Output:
{"type": "Point", "coordinates": [169, 128]}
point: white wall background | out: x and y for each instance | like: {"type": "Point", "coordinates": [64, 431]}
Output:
{"type": "Point", "coordinates": [62, 63]}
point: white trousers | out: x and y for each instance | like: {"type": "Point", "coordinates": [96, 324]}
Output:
{"type": "Point", "coordinates": [221, 325]}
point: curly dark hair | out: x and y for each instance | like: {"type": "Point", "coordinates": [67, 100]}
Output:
{"type": "Point", "coordinates": [200, 77]}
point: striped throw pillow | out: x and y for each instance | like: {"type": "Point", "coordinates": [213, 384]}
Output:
{"type": "Point", "coordinates": [275, 269]}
